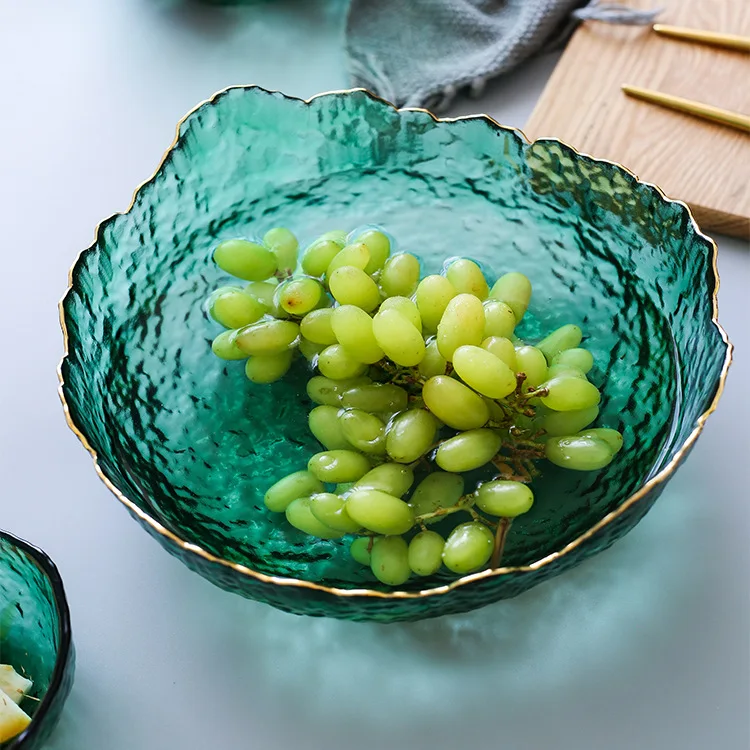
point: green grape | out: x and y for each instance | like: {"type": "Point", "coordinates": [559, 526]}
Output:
{"type": "Point", "coordinates": [433, 363]}
{"type": "Point", "coordinates": [231, 307]}
{"type": "Point", "coordinates": [433, 295]}
{"type": "Point", "coordinates": [566, 337]}
{"type": "Point", "coordinates": [454, 404]}
{"type": "Point", "coordinates": [335, 235]}
{"type": "Point", "coordinates": [356, 256]}
{"type": "Point", "coordinates": [468, 450]}
{"type": "Point", "coordinates": [325, 426]}
{"type": "Point", "coordinates": [379, 246]}
{"type": "Point", "coordinates": [515, 290]}
{"type": "Point", "coordinates": [360, 550]}
{"type": "Point", "coordinates": [503, 349]}
{"type": "Point", "coordinates": [406, 307]}
{"type": "Point", "coordinates": [484, 372]}
{"type": "Point", "coordinates": [379, 512]}
{"type": "Point", "coordinates": [467, 278]}
{"type": "Point", "coordinates": [364, 431]}
{"type": "Point", "coordinates": [245, 260]}
{"type": "Point", "coordinates": [292, 486]}
{"type": "Point", "coordinates": [583, 359]}
{"type": "Point", "coordinates": [426, 553]}
{"type": "Point", "coordinates": [611, 437]}
{"type": "Point", "coordinates": [462, 324]}
{"type": "Point", "coordinates": [499, 319]}
{"type": "Point", "coordinates": [556, 371]}
{"type": "Point", "coordinates": [437, 490]}
{"type": "Point", "coordinates": [389, 561]}
{"type": "Point", "coordinates": [299, 296]}
{"type": "Point", "coordinates": [496, 411]}
{"type": "Point", "coordinates": [308, 349]}
{"type": "Point", "coordinates": [400, 275]}
{"type": "Point", "coordinates": [468, 547]}
{"type": "Point", "coordinates": [410, 435]}
{"type": "Point", "coordinates": [270, 367]}
{"type": "Point", "coordinates": [283, 244]}
{"type": "Point", "coordinates": [504, 498]}
{"type": "Point", "coordinates": [566, 393]}
{"type": "Point", "coordinates": [277, 311]}
{"type": "Point", "coordinates": [578, 453]}
{"type": "Point", "coordinates": [330, 510]}
{"type": "Point", "coordinates": [531, 362]}
{"type": "Point", "coordinates": [558, 423]}
{"type": "Point", "coordinates": [338, 466]}
{"type": "Point", "coordinates": [329, 392]}
{"type": "Point", "coordinates": [375, 397]}
{"type": "Point", "coordinates": [352, 286]}
{"type": "Point", "coordinates": [393, 479]}
{"type": "Point", "coordinates": [336, 363]}
{"type": "Point", "coordinates": [398, 338]}
{"type": "Point", "coordinates": [299, 514]}
{"type": "Point", "coordinates": [317, 326]}
{"type": "Point", "coordinates": [352, 326]}
{"type": "Point", "coordinates": [326, 301]}
{"type": "Point", "coordinates": [267, 336]}
{"type": "Point", "coordinates": [262, 291]}
{"type": "Point", "coordinates": [318, 256]}
{"type": "Point", "coordinates": [224, 346]}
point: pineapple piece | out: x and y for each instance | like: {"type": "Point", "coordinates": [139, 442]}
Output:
{"type": "Point", "coordinates": [13, 684]}
{"type": "Point", "coordinates": [13, 720]}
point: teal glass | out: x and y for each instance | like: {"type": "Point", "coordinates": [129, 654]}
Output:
{"type": "Point", "coordinates": [189, 445]}
{"type": "Point", "coordinates": [35, 635]}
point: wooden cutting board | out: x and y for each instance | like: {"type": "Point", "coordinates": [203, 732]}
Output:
{"type": "Point", "coordinates": [705, 165]}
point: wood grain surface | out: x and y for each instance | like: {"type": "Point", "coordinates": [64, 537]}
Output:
{"type": "Point", "coordinates": [705, 165]}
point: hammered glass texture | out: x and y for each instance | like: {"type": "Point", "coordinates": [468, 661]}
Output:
{"type": "Point", "coordinates": [33, 621]}
{"type": "Point", "coordinates": [193, 444]}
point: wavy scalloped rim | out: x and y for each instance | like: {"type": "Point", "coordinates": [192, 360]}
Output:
{"type": "Point", "coordinates": [657, 479]}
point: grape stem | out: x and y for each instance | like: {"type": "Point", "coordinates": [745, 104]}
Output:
{"type": "Point", "coordinates": [538, 393]}
{"type": "Point", "coordinates": [442, 512]}
{"type": "Point", "coordinates": [531, 467]}
{"type": "Point", "coordinates": [406, 377]}
{"type": "Point", "coordinates": [477, 516]}
{"type": "Point", "coordinates": [500, 536]}
{"type": "Point", "coordinates": [517, 473]}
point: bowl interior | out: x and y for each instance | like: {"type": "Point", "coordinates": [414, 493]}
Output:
{"type": "Point", "coordinates": [29, 619]}
{"type": "Point", "coordinates": [195, 445]}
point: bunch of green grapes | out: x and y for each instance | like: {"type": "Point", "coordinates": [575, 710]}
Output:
{"type": "Point", "coordinates": [412, 376]}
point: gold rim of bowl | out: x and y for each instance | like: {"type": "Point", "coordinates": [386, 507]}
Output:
{"type": "Point", "coordinates": [656, 480]}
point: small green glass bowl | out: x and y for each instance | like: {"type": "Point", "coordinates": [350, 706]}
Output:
{"type": "Point", "coordinates": [35, 636]}
{"type": "Point", "coordinates": [189, 446]}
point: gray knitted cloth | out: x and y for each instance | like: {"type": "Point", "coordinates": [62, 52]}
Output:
{"type": "Point", "coordinates": [422, 52]}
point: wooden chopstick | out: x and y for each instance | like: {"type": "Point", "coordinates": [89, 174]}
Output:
{"type": "Point", "coordinates": [728, 41]}
{"type": "Point", "coordinates": [704, 111]}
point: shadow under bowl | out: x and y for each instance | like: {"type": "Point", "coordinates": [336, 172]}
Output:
{"type": "Point", "coordinates": [35, 635]}
{"type": "Point", "coordinates": [189, 445]}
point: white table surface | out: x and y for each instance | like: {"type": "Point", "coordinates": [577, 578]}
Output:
{"type": "Point", "coordinates": [645, 647]}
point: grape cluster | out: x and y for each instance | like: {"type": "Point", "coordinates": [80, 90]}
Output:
{"type": "Point", "coordinates": [413, 378]}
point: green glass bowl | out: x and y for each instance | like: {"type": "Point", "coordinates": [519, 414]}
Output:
{"type": "Point", "coordinates": [189, 446]}
{"type": "Point", "coordinates": [35, 635]}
